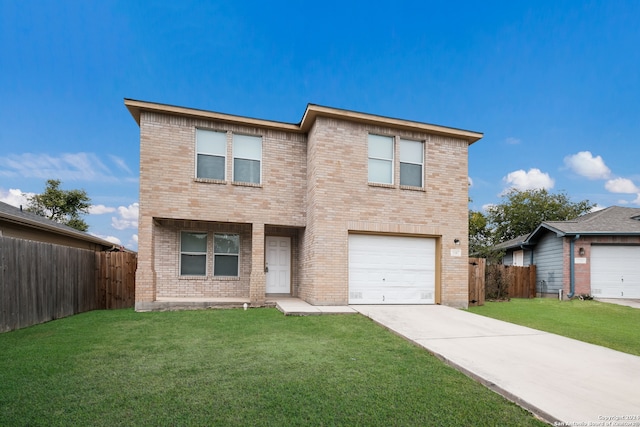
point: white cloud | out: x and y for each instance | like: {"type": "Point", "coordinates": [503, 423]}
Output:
{"type": "Point", "coordinates": [534, 179]}
{"type": "Point", "coordinates": [130, 212]}
{"type": "Point", "coordinates": [112, 239]}
{"type": "Point", "coordinates": [66, 167]}
{"type": "Point", "coordinates": [621, 185]}
{"type": "Point", "coordinates": [120, 163]}
{"type": "Point", "coordinates": [128, 217]}
{"type": "Point", "coordinates": [513, 141]}
{"type": "Point", "coordinates": [637, 200]}
{"type": "Point", "coordinates": [133, 242]}
{"type": "Point", "coordinates": [584, 164]}
{"type": "Point", "coordinates": [100, 209]}
{"type": "Point", "coordinates": [14, 197]}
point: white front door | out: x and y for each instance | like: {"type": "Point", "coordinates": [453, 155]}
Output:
{"type": "Point", "coordinates": [278, 265]}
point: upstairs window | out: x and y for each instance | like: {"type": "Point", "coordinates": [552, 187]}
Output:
{"type": "Point", "coordinates": [211, 148]}
{"type": "Point", "coordinates": [247, 158]}
{"type": "Point", "coordinates": [411, 162]}
{"type": "Point", "coordinates": [226, 253]}
{"type": "Point", "coordinates": [193, 254]}
{"type": "Point", "coordinates": [381, 159]}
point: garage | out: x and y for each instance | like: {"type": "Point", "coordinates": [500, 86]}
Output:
{"type": "Point", "coordinates": [615, 271]}
{"type": "Point", "coordinates": [391, 269]}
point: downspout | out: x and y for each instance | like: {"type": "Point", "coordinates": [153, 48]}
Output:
{"type": "Point", "coordinates": [530, 254]}
{"type": "Point", "coordinates": [572, 267]}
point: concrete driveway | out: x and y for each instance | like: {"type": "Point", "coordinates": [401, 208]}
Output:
{"type": "Point", "coordinates": [634, 303]}
{"type": "Point", "coordinates": [561, 380]}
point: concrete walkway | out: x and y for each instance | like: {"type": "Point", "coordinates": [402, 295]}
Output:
{"type": "Point", "coordinates": [296, 307]}
{"type": "Point", "coordinates": [561, 380]}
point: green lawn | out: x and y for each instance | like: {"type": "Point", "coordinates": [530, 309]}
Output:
{"type": "Point", "coordinates": [233, 367]}
{"type": "Point", "coordinates": [608, 325]}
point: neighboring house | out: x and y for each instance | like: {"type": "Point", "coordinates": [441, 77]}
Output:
{"type": "Point", "coordinates": [341, 208]}
{"type": "Point", "coordinates": [20, 224]}
{"type": "Point", "coordinates": [596, 254]}
{"type": "Point", "coordinates": [516, 253]}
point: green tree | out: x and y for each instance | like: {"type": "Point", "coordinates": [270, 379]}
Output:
{"type": "Point", "coordinates": [479, 233]}
{"type": "Point", "coordinates": [521, 212]}
{"type": "Point", "coordinates": [63, 206]}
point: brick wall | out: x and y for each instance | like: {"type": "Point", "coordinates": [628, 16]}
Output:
{"type": "Point", "coordinates": [170, 284]}
{"type": "Point", "coordinates": [314, 188]}
{"type": "Point", "coordinates": [170, 192]}
{"type": "Point", "coordinates": [582, 271]}
{"type": "Point", "coordinates": [341, 200]}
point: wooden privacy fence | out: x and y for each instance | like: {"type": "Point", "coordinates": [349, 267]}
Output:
{"type": "Point", "coordinates": [42, 281]}
{"type": "Point", "coordinates": [116, 279]}
{"type": "Point", "coordinates": [499, 281]}
{"type": "Point", "coordinates": [476, 281]}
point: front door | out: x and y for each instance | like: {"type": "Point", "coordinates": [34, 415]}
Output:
{"type": "Point", "coordinates": [278, 265]}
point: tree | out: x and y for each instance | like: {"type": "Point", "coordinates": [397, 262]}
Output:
{"type": "Point", "coordinates": [62, 206]}
{"type": "Point", "coordinates": [479, 233]}
{"type": "Point", "coordinates": [522, 211]}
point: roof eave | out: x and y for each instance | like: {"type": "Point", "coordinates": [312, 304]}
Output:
{"type": "Point", "coordinates": [313, 111]}
{"type": "Point", "coordinates": [136, 107]}
{"type": "Point", "coordinates": [44, 227]}
{"type": "Point", "coordinates": [602, 233]}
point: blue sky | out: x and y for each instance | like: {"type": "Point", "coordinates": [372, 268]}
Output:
{"type": "Point", "coordinates": [553, 85]}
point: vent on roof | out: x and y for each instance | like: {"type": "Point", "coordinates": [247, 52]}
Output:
{"type": "Point", "coordinates": [637, 218]}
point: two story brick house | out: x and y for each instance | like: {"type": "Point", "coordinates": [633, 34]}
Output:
{"type": "Point", "coordinates": [341, 208]}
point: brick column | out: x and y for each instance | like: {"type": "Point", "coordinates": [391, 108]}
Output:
{"type": "Point", "coordinates": [257, 280]}
{"type": "Point", "coordinates": [145, 273]}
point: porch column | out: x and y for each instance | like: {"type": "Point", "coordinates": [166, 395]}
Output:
{"type": "Point", "coordinates": [145, 273]}
{"type": "Point", "coordinates": [257, 279]}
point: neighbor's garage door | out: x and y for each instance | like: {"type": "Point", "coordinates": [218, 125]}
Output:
{"type": "Point", "coordinates": [615, 271]}
{"type": "Point", "coordinates": [391, 270]}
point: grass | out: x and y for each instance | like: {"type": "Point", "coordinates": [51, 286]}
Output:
{"type": "Point", "coordinates": [608, 325]}
{"type": "Point", "coordinates": [233, 367]}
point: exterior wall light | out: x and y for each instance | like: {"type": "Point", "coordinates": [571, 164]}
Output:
{"type": "Point", "coordinates": [581, 251]}
{"type": "Point", "coordinates": [456, 241]}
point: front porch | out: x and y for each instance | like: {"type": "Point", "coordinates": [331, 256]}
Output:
{"type": "Point", "coordinates": [209, 264]}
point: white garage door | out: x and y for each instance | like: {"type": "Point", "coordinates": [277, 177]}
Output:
{"type": "Point", "coordinates": [615, 271]}
{"type": "Point", "coordinates": [391, 270]}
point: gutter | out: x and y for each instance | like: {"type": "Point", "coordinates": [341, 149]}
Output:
{"type": "Point", "coordinates": [37, 225]}
{"type": "Point", "coordinates": [572, 267]}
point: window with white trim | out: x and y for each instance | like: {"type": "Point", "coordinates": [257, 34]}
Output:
{"type": "Point", "coordinates": [247, 158]}
{"type": "Point", "coordinates": [380, 159]}
{"type": "Point", "coordinates": [193, 254]}
{"type": "Point", "coordinates": [211, 154]}
{"type": "Point", "coordinates": [226, 254]}
{"type": "Point", "coordinates": [411, 162]}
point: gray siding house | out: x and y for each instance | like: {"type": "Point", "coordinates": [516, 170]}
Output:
{"type": "Point", "coordinates": [596, 254]}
